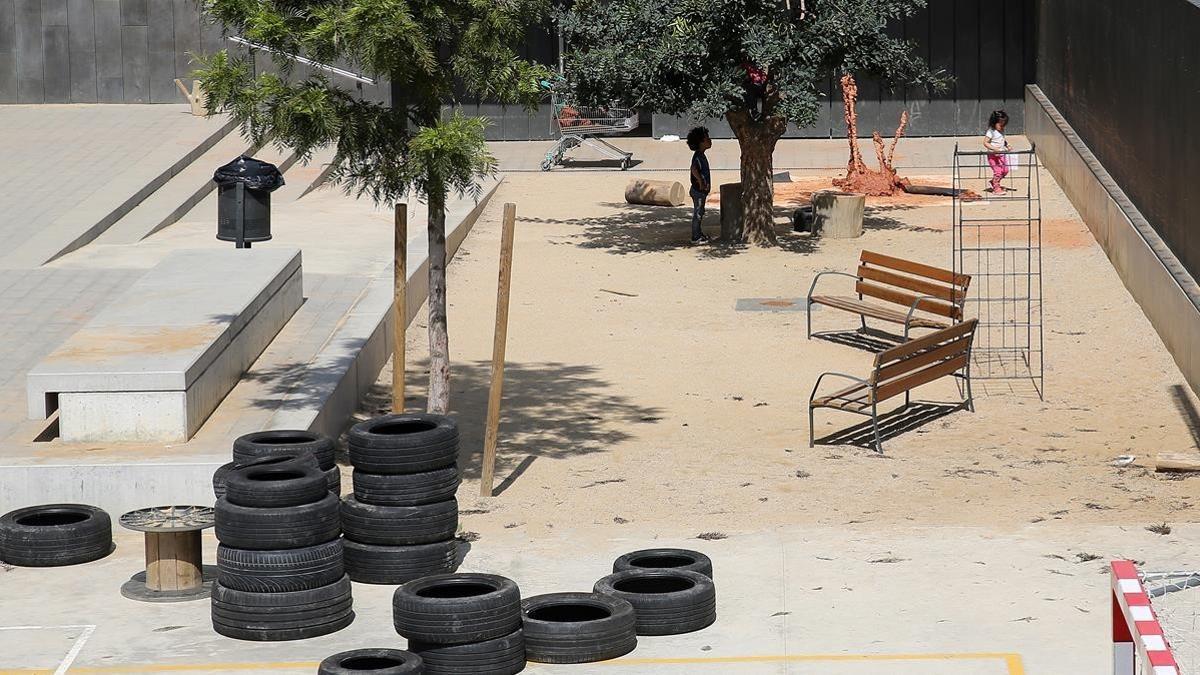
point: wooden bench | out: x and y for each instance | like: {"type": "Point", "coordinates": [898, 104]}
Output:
{"type": "Point", "coordinates": [908, 286]}
{"type": "Point", "coordinates": [899, 370]}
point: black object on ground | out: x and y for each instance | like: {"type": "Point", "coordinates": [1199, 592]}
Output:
{"type": "Point", "coordinates": [372, 662]}
{"type": "Point", "coordinates": [457, 608]}
{"type": "Point", "coordinates": [55, 535]}
{"type": "Point", "coordinates": [802, 219]}
{"type": "Point", "coordinates": [665, 558]}
{"type": "Point", "coordinates": [276, 484]}
{"type": "Point", "coordinates": [407, 443]}
{"type": "Point", "coordinates": [577, 627]}
{"type": "Point", "coordinates": [284, 442]}
{"type": "Point", "coordinates": [410, 489]}
{"type": "Point", "coordinates": [296, 569]}
{"type": "Point", "coordinates": [270, 529]}
{"type": "Point", "coordinates": [666, 601]}
{"type": "Point", "coordinates": [498, 656]}
{"type": "Point", "coordinates": [293, 615]}
{"type": "Point", "coordinates": [244, 189]}
{"type": "Point", "coordinates": [399, 525]}
{"type": "Point", "coordinates": [375, 564]}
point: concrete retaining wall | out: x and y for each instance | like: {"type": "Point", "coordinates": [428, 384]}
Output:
{"type": "Point", "coordinates": [1164, 289]}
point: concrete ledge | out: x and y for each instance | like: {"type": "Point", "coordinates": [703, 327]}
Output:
{"type": "Point", "coordinates": [1166, 292]}
{"type": "Point", "coordinates": [155, 363]}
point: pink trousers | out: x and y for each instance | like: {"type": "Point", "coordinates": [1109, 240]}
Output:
{"type": "Point", "coordinates": [999, 164]}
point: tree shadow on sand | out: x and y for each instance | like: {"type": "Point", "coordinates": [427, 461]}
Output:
{"type": "Point", "coordinates": [552, 410]}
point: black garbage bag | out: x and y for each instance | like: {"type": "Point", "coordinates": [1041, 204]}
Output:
{"type": "Point", "coordinates": [255, 173]}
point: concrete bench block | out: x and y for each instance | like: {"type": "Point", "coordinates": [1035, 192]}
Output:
{"type": "Point", "coordinates": [155, 363]}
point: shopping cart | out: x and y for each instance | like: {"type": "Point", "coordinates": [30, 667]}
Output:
{"type": "Point", "coordinates": [583, 125]}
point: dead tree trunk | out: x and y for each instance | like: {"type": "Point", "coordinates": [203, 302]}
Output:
{"type": "Point", "coordinates": [879, 182]}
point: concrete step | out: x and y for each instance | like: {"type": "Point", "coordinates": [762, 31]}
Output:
{"type": "Point", "coordinates": [303, 178]}
{"type": "Point", "coordinates": [115, 197]}
{"type": "Point", "coordinates": [311, 376]}
{"type": "Point", "coordinates": [177, 196]}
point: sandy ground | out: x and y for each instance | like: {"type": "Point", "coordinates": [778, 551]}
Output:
{"type": "Point", "coordinates": [636, 394]}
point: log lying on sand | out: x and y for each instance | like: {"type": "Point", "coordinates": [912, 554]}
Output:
{"type": "Point", "coordinates": [937, 191]}
{"type": "Point", "coordinates": [1177, 461]}
{"type": "Point", "coordinates": [655, 193]}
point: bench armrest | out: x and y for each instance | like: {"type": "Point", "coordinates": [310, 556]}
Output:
{"type": "Point", "coordinates": [912, 308]}
{"type": "Point", "coordinates": [822, 376]}
{"type": "Point", "coordinates": [821, 274]}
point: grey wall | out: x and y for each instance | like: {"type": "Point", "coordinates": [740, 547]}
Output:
{"type": "Point", "coordinates": [1128, 82]}
{"type": "Point", "coordinates": [99, 51]}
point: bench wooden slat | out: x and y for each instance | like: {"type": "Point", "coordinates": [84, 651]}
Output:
{"type": "Point", "coordinates": [926, 342]}
{"type": "Point", "coordinates": [874, 311]}
{"type": "Point", "coordinates": [920, 285]}
{"type": "Point", "coordinates": [920, 377]}
{"type": "Point", "coordinates": [949, 350]}
{"type": "Point", "coordinates": [920, 269]}
{"type": "Point", "coordinates": [905, 298]}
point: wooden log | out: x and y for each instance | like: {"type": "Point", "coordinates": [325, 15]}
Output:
{"type": "Point", "coordinates": [731, 212]}
{"type": "Point", "coordinates": [838, 215]}
{"type": "Point", "coordinates": [499, 343]}
{"type": "Point", "coordinates": [1177, 461]}
{"type": "Point", "coordinates": [655, 193]}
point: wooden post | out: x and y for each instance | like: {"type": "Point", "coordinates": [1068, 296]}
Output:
{"type": "Point", "coordinates": [399, 307]}
{"type": "Point", "coordinates": [487, 477]}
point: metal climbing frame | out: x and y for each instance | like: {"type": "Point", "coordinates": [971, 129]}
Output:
{"type": "Point", "coordinates": [997, 239]}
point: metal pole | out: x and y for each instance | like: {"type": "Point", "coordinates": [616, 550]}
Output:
{"type": "Point", "coordinates": [241, 216]}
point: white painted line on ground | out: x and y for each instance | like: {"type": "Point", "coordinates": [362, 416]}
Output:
{"type": "Point", "coordinates": [84, 635]}
{"type": "Point", "coordinates": [75, 649]}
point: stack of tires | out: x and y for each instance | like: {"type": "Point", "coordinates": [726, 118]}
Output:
{"type": "Point", "coordinates": [280, 570]}
{"type": "Point", "coordinates": [671, 589]}
{"type": "Point", "coordinates": [401, 521]}
{"type": "Point", "coordinates": [55, 535]}
{"type": "Point", "coordinates": [262, 445]}
{"type": "Point", "coordinates": [462, 623]}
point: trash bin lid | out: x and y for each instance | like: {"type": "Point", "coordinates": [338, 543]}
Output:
{"type": "Point", "coordinates": [255, 173]}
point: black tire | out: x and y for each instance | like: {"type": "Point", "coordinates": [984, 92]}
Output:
{"type": "Point", "coordinates": [296, 569]}
{"type": "Point", "coordinates": [399, 525]}
{"type": "Point", "coordinates": [371, 564]}
{"type": "Point", "coordinates": [666, 602]}
{"type": "Point", "coordinates": [372, 662]}
{"type": "Point", "coordinates": [409, 443]}
{"type": "Point", "coordinates": [409, 489]}
{"type": "Point", "coordinates": [457, 608]}
{"type": "Point", "coordinates": [577, 627]}
{"type": "Point", "coordinates": [55, 535]}
{"type": "Point", "coordinates": [274, 529]}
{"type": "Point", "coordinates": [333, 481]}
{"type": "Point", "coordinates": [276, 484]}
{"type": "Point", "coordinates": [284, 442]}
{"type": "Point", "coordinates": [293, 615]}
{"type": "Point", "coordinates": [498, 656]}
{"type": "Point", "coordinates": [665, 558]}
{"type": "Point", "coordinates": [221, 475]}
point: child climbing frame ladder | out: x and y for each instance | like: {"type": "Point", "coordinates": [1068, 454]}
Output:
{"type": "Point", "coordinates": [997, 239]}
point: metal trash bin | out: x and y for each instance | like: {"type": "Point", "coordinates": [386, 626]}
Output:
{"type": "Point", "coordinates": [244, 188]}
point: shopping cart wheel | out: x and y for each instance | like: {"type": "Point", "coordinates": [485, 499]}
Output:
{"type": "Point", "coordinates": [625, 164]}
{"type": "Point", "coordinates": [547, 164]}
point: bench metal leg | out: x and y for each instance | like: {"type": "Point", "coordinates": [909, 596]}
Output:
{"type": "Point", "coordinates": [808, 311]}
{"type": "Point", "coordinates": [875, 426]}
{"type": "Point", "coordinates": [811, 430]}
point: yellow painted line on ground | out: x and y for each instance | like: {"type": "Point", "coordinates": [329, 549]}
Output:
{"type": "Point", "coordinates": [1011, 660]}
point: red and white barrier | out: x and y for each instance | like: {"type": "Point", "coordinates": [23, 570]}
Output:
{"type": "Point", "coordinates": [1137, 636]}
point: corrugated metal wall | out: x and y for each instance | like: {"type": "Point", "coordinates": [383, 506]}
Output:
{"type": "Point", "coordinates": [1127, 79]}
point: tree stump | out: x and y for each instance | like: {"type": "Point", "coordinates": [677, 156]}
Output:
{"type": "Point", "coordinates": [655, 193]}
{"type": "Point", "coordinates": [731, 212]}
{"type": "Point", "coordinates": [838, 215]}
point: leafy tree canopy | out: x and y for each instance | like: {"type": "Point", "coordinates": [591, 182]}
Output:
{"type": "Point", "coordinates": [685, 57]}
{"type": "Point", "coordinates": [430, 50]}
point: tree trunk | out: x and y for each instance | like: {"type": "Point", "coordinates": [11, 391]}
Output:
{"type": "Point", "coordinates": [439, 336]}
{"type": "Point", "coordinates": [757, 142]}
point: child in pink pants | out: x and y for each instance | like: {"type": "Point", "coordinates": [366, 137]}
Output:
{"type": "Point", "coordinates": [997, 145]}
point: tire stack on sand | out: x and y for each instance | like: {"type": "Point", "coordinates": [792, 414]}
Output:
{"type": "Point", "coordinates": [400, 523]}
{"type": "Point", "coordinates": [261, 445]}
{"type": "Point", "coordinates": [462, 623]}
{"type": "Point", "coordinates": [280, 570]}
{"type": "Point", "coordinates": [55, 535]}
{"type": "Point", "coordinates": [671, 589]}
